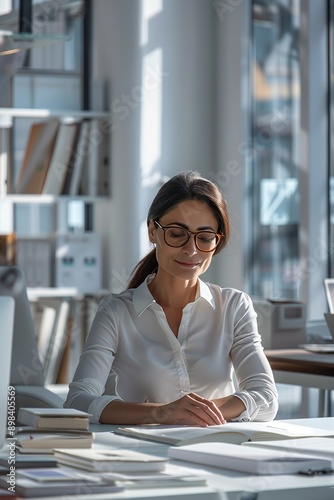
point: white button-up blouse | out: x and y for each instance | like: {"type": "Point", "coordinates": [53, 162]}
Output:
{"type": "Point", "coordinates": [217, 348]}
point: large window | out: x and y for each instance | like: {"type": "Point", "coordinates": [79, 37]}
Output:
{"type": "Point", "coordinates": [275, 148]}
{"type": "Point", "coordinates": [331, 142]}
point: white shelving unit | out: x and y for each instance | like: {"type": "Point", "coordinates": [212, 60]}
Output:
{"type": "Point", "coordinates": [45, 215]}
{"type": "Point", "coordinates": [42, 218]}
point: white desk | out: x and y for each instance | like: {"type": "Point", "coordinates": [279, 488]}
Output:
{"type": "Point", "coordinates": [223, 484]}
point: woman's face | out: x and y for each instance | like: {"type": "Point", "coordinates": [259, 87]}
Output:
{"type": "Point", "coordinates": [186, 262]}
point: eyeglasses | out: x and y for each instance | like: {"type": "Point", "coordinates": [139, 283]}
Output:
{"type": "Point", "coordinates": [176, 236]}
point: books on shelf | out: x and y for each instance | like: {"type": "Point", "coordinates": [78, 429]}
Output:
{"type": "Point", "coordinates": [79, 161]}
{"type": "Point", "coordinates": [56, 481]}
{"type": "Point", "coordinates": [61, 158]}
{"type": "Point", "coordinates": [95, 157]}
{"type": "Point", "coordinates": [93, 178]}
{"type": "Point", "coordinates": [106, 460]}
{"type": "Point", "coordinates": [37, 157]}
{"type": "Point", "coordinates": [236, 433]}
{"type": "Point", "coordinates": [5, 178]}
{"type": "Point", "coordinates": [57, 340]}
{"type": "Point", "coordinates": [251, 460]}
{"type": "Point", "coordinates": [54, 418]}
{"type": "Point", "coordinates": [45, 329]}
{"type": "Point", "coordinates": [7, 249]}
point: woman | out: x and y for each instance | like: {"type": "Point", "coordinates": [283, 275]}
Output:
{"type": "Point", "coordinates": [172, 340]}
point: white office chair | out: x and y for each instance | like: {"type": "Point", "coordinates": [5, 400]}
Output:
{"type": "Point", "coordinates": [27, 372]}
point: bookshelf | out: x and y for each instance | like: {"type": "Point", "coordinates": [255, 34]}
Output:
{"type": "Point", "coordinates": [97, 142]}
{"type": "Point", "coordinates": [38, 222]}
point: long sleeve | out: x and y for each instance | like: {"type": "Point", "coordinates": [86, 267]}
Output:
{"type": "Point", "coordinates": [256, 386]}
{"type": "Point", "coordinates": [86, 391]}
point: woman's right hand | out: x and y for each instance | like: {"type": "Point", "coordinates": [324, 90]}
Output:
{"type": "Point", "coordinates": [191, 409]}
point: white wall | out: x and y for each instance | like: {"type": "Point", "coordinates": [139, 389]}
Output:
{"type": "Point", "coordinates": [231, 134]}
{"type": "Point", "coordinates": [182, 37]}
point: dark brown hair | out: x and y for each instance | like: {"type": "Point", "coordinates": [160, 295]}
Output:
{"type": "Point", "coordinates": [182, 187]}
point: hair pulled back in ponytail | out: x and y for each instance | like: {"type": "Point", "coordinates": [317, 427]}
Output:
{"type": "Point", "coordinates": [182, 187]}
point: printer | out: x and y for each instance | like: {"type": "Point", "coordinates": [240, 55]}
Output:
{"type": "Point", "coordinates": [281, 323]}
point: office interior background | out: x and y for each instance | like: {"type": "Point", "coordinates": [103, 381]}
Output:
{"type": "Point", "coordinates": [239, 90]}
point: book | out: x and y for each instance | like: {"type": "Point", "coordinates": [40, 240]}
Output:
{"type": "Point", "coordinates": [37, 157]}
{"type": "Point", "coordinates": [56, 481]}
{"type": "Point", "coordinates": [28, 461]}
{"type": "Point", "coordinates": [234, 432]}
{"type": "Point", "coordinates": [104, 460]}
{"type": "Point", "coordinates": [79, 160]}
{"type": "Point", "coordinates": [249, 460]}
{"type": "Point", "coordinates": [172, 476]}
{"type": "Point", "coordinates": [57, 341]}
{"type": "Point", "coordinates": [95, 158]}
{"type": "Point", "coordinates": [318, 446]}
{"type": "Point", "coordinates": [45, 329]}
{"type": "Point", "coordinates": [54, 418]}
{"type": "Point", "coordinates": [61, 158]}
{"type": "Point", "coordinates": [7, 249]}
{"type": "Point", "coordinates": [5, 160]}
{"type": "Point", "coordinates": [39, 440]}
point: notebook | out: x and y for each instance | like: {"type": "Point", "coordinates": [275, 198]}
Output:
{"type": "Point", "coordinates": [7, 305]}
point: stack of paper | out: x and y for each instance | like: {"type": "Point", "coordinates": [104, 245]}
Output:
{"type": "Point", "coordinates": [316, 446]}
{"type": "Point", "coordinates": [252, 460]}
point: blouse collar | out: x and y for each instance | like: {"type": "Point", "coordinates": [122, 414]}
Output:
{"type": "Point", "coordinates": [142, 297]}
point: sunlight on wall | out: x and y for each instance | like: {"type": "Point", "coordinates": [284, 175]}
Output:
{"type": "Point", "coordinates": [151, 108]}
{"type": "Point", "coordinates": [149, 9]}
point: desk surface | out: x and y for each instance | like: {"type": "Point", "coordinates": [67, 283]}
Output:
{"type": "Point", "coordinates": [221, 484]}
{"type": "Point", "coordinates": [224, 484]}
{"type": "Point", "coordinates": [301, 361]}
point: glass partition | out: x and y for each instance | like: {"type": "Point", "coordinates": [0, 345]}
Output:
{"type": "Point", "coordinates": [275, 118]}
{"type": "Point", "coordinates": [331, 140]}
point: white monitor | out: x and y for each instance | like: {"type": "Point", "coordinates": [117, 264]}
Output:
{"type": "Point", "coordinates": [26, 367]}
{"type": "Point", "coordinates": [26, 370]}
{"type": "Point", "coordinates": [329, 289]}
{"type": "Point", "coordinates": [7, 401]}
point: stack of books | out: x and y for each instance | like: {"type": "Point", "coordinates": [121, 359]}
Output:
{"type": "Point", "coordinates": [47, 428]}
{"type": "Point", "coordinates": [42, 482]}
{"type": "Point", "coordinates": [129, 468]}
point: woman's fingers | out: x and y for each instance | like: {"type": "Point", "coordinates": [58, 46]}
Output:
{"type": "Point", "coordinates": [191, 409]}
{"type": "Point", "coordinates": [203, 409]}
